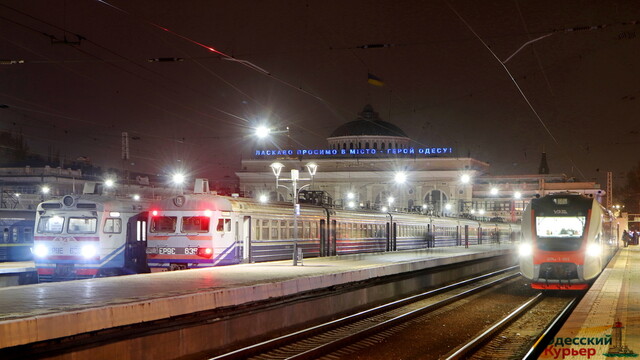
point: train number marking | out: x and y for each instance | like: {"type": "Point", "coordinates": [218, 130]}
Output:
{"type": "Point", "coordinates": [167, 251]}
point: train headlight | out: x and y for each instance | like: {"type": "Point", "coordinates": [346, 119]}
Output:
{"type": "Point", "coordinates": [40, 250]}
{"type": "Point", "coordinates": [88, 251]}
{"type": "Point", "coordinates": [594, 250]}
{"type": "Point", "coordinates": [525, 249]}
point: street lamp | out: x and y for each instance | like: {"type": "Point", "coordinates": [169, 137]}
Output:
{"type": "Point", "coordinates": [295, 177]}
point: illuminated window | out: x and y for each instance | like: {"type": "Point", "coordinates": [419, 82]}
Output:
{"type": "Point", "coordinates": [224, 225]}
{"type": "Point", "coordinates": [82, 225]}
{"type": "Point", "coordinates": [50, 224]}
{"type": "Point", "coordinates": [198, 224]}
{"type": "Point", "coordinates": [163, 224]}
{"type": "Point", "coordinates": [112, 226]}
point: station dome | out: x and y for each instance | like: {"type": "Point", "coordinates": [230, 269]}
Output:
{"type": "Point", "coordinates": [368, 131]}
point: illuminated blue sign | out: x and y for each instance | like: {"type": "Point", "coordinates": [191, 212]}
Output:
{"type": "Point", "coordinates": [337, 152]}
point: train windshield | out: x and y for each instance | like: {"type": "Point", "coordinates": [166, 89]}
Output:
{"type": "Point", "coordinates": [82, 225]}
{"type": "Point", "coordinates": [50, 224]}
{"type": "Point", "coordinates": [161, 224]}
{"type": "Point", "coordinates": [560, 227]}
{"type": "Point", "coordinates": [195, 224]}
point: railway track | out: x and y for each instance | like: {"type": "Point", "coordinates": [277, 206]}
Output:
{"type": "Point", "coordinates": [523, 333]}
{"type": "Point", "coordinates": [368, 326]}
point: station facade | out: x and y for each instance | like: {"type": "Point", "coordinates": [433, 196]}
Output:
{"type": "Point", "coordinates": [371, 164]}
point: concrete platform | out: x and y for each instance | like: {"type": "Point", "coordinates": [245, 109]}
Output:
{"type": "Point", "coordinates": [610, 311]}
{"type": "Point", "coordinates": [17, 273]}
{"type": "Point", "coordinates": [40, 312]}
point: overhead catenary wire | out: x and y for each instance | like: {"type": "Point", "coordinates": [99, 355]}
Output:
{"type": "Point", "coordinates": [524, 96]}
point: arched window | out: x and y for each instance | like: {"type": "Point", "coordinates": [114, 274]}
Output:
{"type": "Point", "coordinates": [382, 146]}
{"type": "Point", "coordinates": [436, 200]}
{"type": "Point", "coordinates": [350, 146]}
{"type": "Point", "coordinates": [366, 145]}
{"type": "Point", "coordinates": [375, 146]}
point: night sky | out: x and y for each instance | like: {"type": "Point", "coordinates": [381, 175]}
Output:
{"type": "Point", "coordinates": [86, 78]}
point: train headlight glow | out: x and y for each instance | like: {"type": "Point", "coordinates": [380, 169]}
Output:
{"type": "Point", "coordinates": [88, 251]}
{"type": "Point", "coordinates": [525, 249]}
{"type": "Point", "coordinates": [594, 250]}
{"type": "Point", "coordinates": [40, 250]}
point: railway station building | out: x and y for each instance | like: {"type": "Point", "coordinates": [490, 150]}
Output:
{"type": "Point", "coordinates": [372, 164]}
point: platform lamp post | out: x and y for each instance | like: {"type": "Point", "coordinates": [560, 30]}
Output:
{"type": "Point", "coordinates": [295, 178]}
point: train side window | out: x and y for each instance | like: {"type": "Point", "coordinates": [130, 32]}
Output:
{"type": "Point", "coordinates": [265, 229]}
{"type": "Point", "coordinates": [50, 224]}
{"type": "Point", "coordinates": [112, 226]}
{"type": "Point", "coordinates": [290, 230]}
{"type": "Point", "coordinates": [274, 229]}
{"type": "Point", "coordinates": [284, 231]}
{"type": "Point", "coordinates": [14, 235]}
{"type": "Point", "coordinates": [198, 224]}
{"type": "Point", "coordinates": [28, 234]}
{"type": "Point", "coordinates": [224, 225]}
{"type": "Point", "coordinates": [5, 235]}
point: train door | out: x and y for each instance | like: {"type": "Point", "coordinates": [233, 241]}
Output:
{"type": "Point", "coordinates": [332, 238]}
{"type": "Point", "coordinates": [394, 237]}
{"type": "Point", "coordinates": [246, 239]}
{"type": "Point", "coordinates": [466, 236]}
{"type": "Point", "coordinates": [323, 237]}
{"type": "Point", "coordinates": [135, 254]}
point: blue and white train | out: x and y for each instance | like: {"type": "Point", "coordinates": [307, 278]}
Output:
{"type": "Point", "coordinates": [17, 234]}
{"type": "Point", "coordinates": [201, 229]}
{"type": "Point", "coordinates": [85, 236]}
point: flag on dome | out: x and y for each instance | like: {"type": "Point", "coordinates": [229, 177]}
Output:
{"type": "Point", "coordinates": [374, 80]}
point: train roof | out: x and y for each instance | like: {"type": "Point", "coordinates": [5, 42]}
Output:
{"type": "Point", "coordinates": [94, 202]}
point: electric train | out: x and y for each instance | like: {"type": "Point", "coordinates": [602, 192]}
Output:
{"type": "Point", "coordinates": [17, 234]}
{"type": "Point", "coordinates": [201, 230]}
{"type": "Point", "coordinates": [567, 240]}
{"type": "Point", "coordinates": [85, 236]}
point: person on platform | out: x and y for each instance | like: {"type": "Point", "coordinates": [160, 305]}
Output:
{"type": "Point", "coordinates": [626, 238]}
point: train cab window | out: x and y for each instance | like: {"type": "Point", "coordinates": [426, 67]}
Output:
{"type": "Point", "coordinates": [82, 225]}
{"type": "Point", "coordinates": [198, 224]}
{"type": "Point", "coordinates": [112, 226]}
{"type": "Point", "coordinates": [50, 224]}
{"type": "Point", "coordinates": [161, 224]}
{"type": "Point", "coordinates": [560, 227]}
{"type": "Point", "coordinates": [224, 225]}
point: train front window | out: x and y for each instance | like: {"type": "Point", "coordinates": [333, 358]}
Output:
{"type": "Point", "coordinates": [161, 224]}
{"type": "Point", "coordinates": [50, 224]}
{"type": "Point", "coordinates": [198, 224]}
{"type": "Point", "coordinates": [560, 227]}
{"type": "Point", "coordinates": [82, 225]}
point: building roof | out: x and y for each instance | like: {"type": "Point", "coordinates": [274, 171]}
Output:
{"type": "Point", "coordinates": [368, 123]}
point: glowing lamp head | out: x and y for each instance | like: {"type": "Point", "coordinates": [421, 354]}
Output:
{"type": "Point", "coordinates": [384, 209]}
{"type": "Point", "coordinates": [178, 178]}
{"type": "Point", "coordinates": [465, 178]}
{"type": "Point", "coordinates": [494, 191]}
{"type": "Point", "coordinates": [262, 132]}
{"type": "Point", "coordinates": [448, 206]}
{"type": "Point", "coordinates": [109, 183]}
{"type": "Point", "coordinates": [517, 195]}
{"type": "Point", "coordinates": [136, 197]}
{"type": "Point", "coordinates": [351, 196]}
{"type": "Point", "coordinates": [154, 212]}
{"type": "Point", "coordinates": [208, 212]}
{"type": "Point", "coordinates": [400, 177]}
{"type": "Point", "coordinates": [263, 198]}
{"type": "Point", "coordinates": [351, 204]}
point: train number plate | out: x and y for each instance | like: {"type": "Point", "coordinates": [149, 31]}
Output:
{"type": "Point", "coordinates": [177, 251]}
